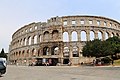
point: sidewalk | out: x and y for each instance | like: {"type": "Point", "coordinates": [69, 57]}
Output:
{"type": "Point", "coordinates": [108, 66]}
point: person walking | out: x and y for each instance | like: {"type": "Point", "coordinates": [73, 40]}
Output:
{"type": "Point", "coordinates": [112, 62]}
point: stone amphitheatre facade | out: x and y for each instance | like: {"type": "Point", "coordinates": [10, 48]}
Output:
{"type": "Point", "coordinates": [59, 40]}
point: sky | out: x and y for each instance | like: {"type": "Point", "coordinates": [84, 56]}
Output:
{"type": "Point", "coordinates": [14, 14]}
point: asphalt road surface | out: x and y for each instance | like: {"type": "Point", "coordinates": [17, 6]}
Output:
{"type": "Point", "coordinates": [61, 73]}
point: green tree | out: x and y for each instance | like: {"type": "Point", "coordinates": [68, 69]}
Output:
{"type": "Point", "coordinates": [107, 49]}
{"type": "Point", "coordinates": [98, 48]}
{"type": "Point", "coordinates": [114, 42]}
{"type": "Point", "coordinates": [3, 54]}
{"type": "Point", "coordinates": [93, 48]}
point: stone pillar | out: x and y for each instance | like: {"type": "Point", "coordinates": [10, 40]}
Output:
{"type": "Point", "coordinates": [18, 44]}
{"type": "Point", "coordinates": [96, 35]}
{"type": "Point", "coordinates": [109, 35]}
{"type": "Point", "coordinates": [50, 51]}
{"type": "Point", "coordinates": [38, 39]}
{"type": "Point", "coordinates": [69, 33]}
{"type": "Point", "coordinates": [71, 55]}
{"type": "Point", "coordinates": [23, 42]}
{"type": "Point", "coordinates": [61, 50]}
{"type": "Point", "coordinates": [103, 36]}
{"type": "Point", "coordinates": [95, 22]}
{"type": "Point", "coordinates": [86, 21]}
{"type": "Point", "coordinates": [115, 34]}
{"type": "Point", "coordinates": [30, 52]}
{"type": "Point", "coordinates": [79, 36]}
{"type": "Point", "coordinates": [88, 36]}
{"type": "Point", "coordinates": [36, 53]}
{"type": "Point", "coordinates": [50, 38]}
{"type": "Point", "coordinates": [32, 39]}
{"type": "Point", "coordinates": [61, 54]}
{"type": "Point", "coordinates": [27, 41]}
{"type": "Point", "coordinates": [60, 38]}
{"type": "Point", "coordinates": [42, 38]}
{"type": "Point", "coordinates": [68, 22]}
{"type": "Point", "coordinates": [23, 56]}
{"type": "Point", "coordinates": [40, 52]}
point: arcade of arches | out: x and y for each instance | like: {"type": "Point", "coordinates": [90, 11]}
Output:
{"type": "Point", "coordinates": [59, 40]}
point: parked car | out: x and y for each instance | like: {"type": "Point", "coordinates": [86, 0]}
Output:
{"type": "Point", "coordinates": [3, 65]}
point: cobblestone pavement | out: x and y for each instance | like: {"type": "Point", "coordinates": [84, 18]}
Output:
{"type": "Point", "coordinates": [61, 73]}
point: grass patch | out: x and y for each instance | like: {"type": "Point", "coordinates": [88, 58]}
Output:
{"type": "Point", "coordinates": [117, 62]}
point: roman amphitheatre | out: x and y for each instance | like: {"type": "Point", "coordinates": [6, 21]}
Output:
{"type": "Point", "coordinates": [59, 39]}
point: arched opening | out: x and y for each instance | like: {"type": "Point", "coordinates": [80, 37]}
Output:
{"type": "Point", "coordinates": [33, 52]}
{"type": "Point", "coordinates": [24, 41]}
{"type": "Point", "coordinates": [65, 37]}
{"type": "Point", "coordinates": [40, 38]}
{"type": "Point", "coordinates": [92, 35]}
{"type": "Point", "coordinates": [29, 40]}
{"type": "Point", "coordinates": [106, 35]}
{"type": "Point", "coordinates": [112, 34]}
{"type": "Point", "coordinates": [19, 55]}
{"type": "Point", "coordinates": [28, 51]}
{"type": "Point", "coordinates": [117, 34]}
{"type": "Point", "coordinates": [35, 27]}
{"type": "Point", "coordinates": [66, 52]}
{"type": "Point", "coordinates": [14, 55]}
{"type": "Point", "coordinates": [46, 51]}
{"type": "Point", "coordinates": [30, 29]}
{"type": "Point", "coordinates": [23, 54]}
{"type": "Point", "coordinates": [18, 43]}
{"type": "Point", "coordinates": [75, 51]}
{"type": "Point", "coordinates": [100, 35]}
{"type": "Point", "coordinates": [35, 39]}
{"type": "Point", "coordinates": [74, 36]}
{"type": "Point", "coordinates": [21, 42]}
{"type": "Point", "coordinates": [39, 52]}
{"type": "Point", "coordinates": [55, 50]}
{"type": "Point", "coordinates": [55, 35]}
{"type": "Point", "coordinates": [46, 36]}
{"type": "Point", "coordinates": [83, 36]}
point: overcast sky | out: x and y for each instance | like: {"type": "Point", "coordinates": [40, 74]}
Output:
{"type": "Point", "coordinates": [17, 13]}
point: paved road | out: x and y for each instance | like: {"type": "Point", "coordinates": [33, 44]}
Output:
{"type": "Point", "coordinates": [61, 73]}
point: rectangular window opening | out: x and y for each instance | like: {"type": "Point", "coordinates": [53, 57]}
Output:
{"type": "Point", "coordinates": [82, 22]}
{"type": "Point", "coordinates": [90, 22]}
{"type": "Point", "coordinates": [73, 22]}
{"type": "Point", "coordinates": [98, 22]}
{"type": "Point", "coordinates": [110, 24]}
{"type": "Point", "coordinates": [105, 23]}
{"type": "Point", "coordinates": [65, 22]}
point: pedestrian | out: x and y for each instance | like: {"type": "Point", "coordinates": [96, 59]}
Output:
{"type": "Point", "coordinates": [69, 63]}
{"type": "Point", "coordinates": [17, 64]}
{"type": "Point", "coordinates": [112, 62]}
{"type": "Point", "coordinates": [94, 62]}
